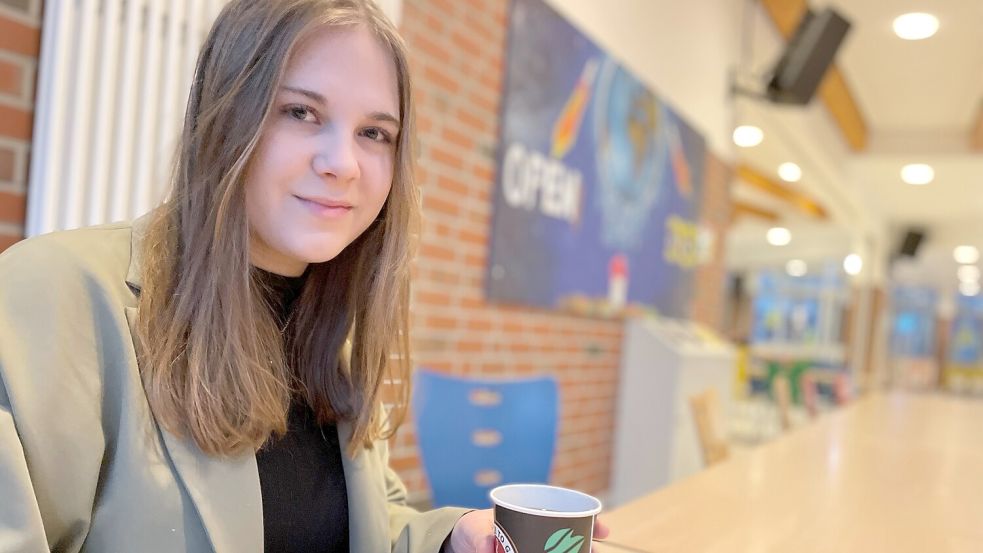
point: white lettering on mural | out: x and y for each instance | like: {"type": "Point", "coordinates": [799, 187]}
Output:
{"type": "Point", "coordinates": [531, 180]}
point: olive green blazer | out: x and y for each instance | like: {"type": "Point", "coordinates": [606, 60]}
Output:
{"type": "Point", "coordinates": [84, 466]}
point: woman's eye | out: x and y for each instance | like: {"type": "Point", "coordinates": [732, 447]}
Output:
{"type": "Point", "coordinates": [301, 113]}
{"type": "Point", "coordinates": [377, 135]}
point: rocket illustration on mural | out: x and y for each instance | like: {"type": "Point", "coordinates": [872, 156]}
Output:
{"type": "Point", "coordinates": [567, 126]}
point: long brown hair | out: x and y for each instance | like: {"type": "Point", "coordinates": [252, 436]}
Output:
{"type": "Point", "coordinates": [213, 360]}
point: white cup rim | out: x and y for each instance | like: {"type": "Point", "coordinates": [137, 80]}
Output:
{"type": "Point", "coordinates": [552, 514]}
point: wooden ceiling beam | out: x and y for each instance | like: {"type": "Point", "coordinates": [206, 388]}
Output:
{"type": "Point", "coordinates": [834, 90]}
{"type": "Point", "coordinates": [787, 194]}
{"type": "Point", "coordinates": [741, 209]}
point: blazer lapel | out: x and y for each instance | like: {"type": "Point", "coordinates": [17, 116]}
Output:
{"type": "Point", "coordinates": [225, 492]}
{"type": "Point", "coordinates": [368, 515]}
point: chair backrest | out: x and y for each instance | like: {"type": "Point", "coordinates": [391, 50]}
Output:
{"type": "Point", "coordinates": [842, 389]}
{"type": "Point", "coordinates": [706, 409]}
{"type": "Point", "coordinates": [810, 394]}
{"type": "Point", "coordinates": [783, 398]}
{"type": "Point", "coordinates": [475, 434]}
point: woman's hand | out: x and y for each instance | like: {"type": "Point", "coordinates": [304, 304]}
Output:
{"type": "Point", "coordinates": [474, 533]}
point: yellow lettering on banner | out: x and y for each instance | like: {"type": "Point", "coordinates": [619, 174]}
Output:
{"type": "Point", "coordinates": [681, 247]}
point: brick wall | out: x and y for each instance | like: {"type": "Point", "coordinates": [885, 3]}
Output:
{"type": "Point", "coordinates": [715, 214]}
{"type": "Point", "coordinates": [19, 45]}
{"type": "Point", "coordinates": [457, 49]}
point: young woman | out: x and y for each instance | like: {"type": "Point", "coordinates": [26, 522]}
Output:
{"type": "Point", "coordinates": [209, 377]}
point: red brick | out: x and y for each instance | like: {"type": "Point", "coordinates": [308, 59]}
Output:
{"type": "Point", "coordinates": [480, 325]}
{"type": "Point", "coordinates": [12, 208]}
{"type": "Point", "coordinates": [475, 260]}
{"type": "Point", "coordinates": [11, 77]}
{"type": "Point", "coordinates": [420, 20]}
{"type": "Point", "coordinates": [436, 252]}
{"type": "Point", "coordinates": [443, 277]}
{"type": "Point", "coordinates": [424, 124]}
{"type": "Point", "coordinates": [500, 17]}
{"type": "Point", "coordinates": [446, 9]}
{"type": "Point", "coordinates": [451, 184]}
{"type": "Point", "coordinates": [483, 173]}
{"type": "Point", "coordinates": [6, 241]}
{"type": "Point", "coordinates": [473, 121]}
{"type": "Point", "coordinates": [433, 298]}
{"type": "Point", "coordinates": [444, 156]}
{"type": "Point", "coordinates": [437, 229]}
{"type": "Point", "coordinates": [440, 205]}
{"type": "Point", "coordinates": [420, 94]}
{"type": "Point", "coordinates": [481, 101]}
{"type": "Point", "coordinates": [483, 195]}
{"type": "Point", "coordinates": [479, 25]}
{"type": "Point", "coordinates": [469, 346]}
{"type": "Point", "coordinates": [441, 79]}
{"type": "Point", "coordinates": [19, 38]}
{"type": "Point", "coordinates": [471, 237]}
{"type": "Point", "coordinates": [8, 161]}
{"type": "Point", "coordinates": [442, 323]}
{"type": "Point", "coordinates": [491, 81]}
{"type": "Point", "coordinates": [436, 51]}
{"type": "Point", "coordinates": [15, 123]}
{"type": "Point", "coordinates": [466, 44]}
{"type": "Point", "coordinates": [457, 138]}
{"type": "Point", "coordinates": [513, 326]}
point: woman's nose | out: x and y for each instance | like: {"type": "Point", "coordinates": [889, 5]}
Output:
{"type": "Point", "coordinates": [337, 157]}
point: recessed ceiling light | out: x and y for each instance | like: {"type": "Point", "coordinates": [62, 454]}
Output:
{"type": "Point", "coordinates": [789, 172]}
{"type": "Point", "coordinates": [747, 136]}
{"type": "Point", "coordinates": [917, 173]}
{"type": "Point", "coordinates": [796, 268]}
{"type": "Point", "coordinates": [969, 288]}
{"type": "Point", "coordinates": [966, 254]}
{"type": "Point", "coordinates": [916, 26]}
{"type": "Point", "coordinates": [779, 236]}
{"type": "Point", "coordinates": [968, 273]}
{"type": "Point", "coordinates": [853, 264]}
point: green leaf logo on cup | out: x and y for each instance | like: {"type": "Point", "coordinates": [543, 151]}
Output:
{"type": "Point", "coordinates": [530, 518]}
{"type": "Point", "coordinates": [564, 541]}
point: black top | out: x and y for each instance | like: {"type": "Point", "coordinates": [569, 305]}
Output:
{"type": "Point", "coordinates": [305, 499]}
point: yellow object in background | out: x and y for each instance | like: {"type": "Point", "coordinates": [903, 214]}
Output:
{"type": "Point", "coordinates": [567, 126]}
{"type": "Point", "coordinates": [742, 376]}
{"type": "Point", "coordinates": [957, 377]}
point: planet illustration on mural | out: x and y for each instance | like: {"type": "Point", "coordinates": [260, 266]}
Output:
{"type": "Point", "coordinates": [630, 151]}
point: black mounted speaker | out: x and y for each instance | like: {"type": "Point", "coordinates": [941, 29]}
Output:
{"type": "Point", "coordinates": [807, 56]}
{"type": "Point", "coordinates": [910, 242]}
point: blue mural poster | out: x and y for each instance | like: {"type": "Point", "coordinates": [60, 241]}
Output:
{"type": "Point", "coordinates": [966, 340]}
{"type": "Point", "coordinates": [913, 321]}
{"type": "Point", "coordinates": [598, 181]}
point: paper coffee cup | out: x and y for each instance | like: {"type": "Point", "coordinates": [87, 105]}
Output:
{"type": "Point", "coordinates": [535, 518]}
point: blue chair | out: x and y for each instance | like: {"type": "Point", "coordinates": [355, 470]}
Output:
{"type": "Point", "coordinates": [477, 434]}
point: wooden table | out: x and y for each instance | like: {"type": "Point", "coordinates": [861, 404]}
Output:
{"type": "Point", "coordinates": [890, 473]}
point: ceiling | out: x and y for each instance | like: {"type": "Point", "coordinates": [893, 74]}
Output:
{"type": "Point", "coordinates": [920, 99]}
{"type": "Point", "coordinates": [926, 84]}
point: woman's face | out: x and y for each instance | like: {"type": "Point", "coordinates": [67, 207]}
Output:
{"type": "Point", "coordinates": [324, 164]}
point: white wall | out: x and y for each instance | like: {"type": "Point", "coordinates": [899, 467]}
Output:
{"type": "Point", "coordinates": [683, 50]}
